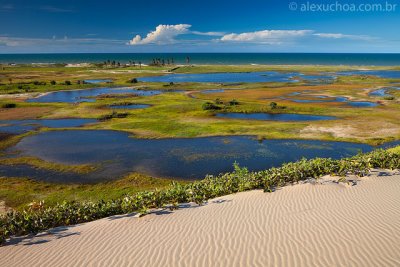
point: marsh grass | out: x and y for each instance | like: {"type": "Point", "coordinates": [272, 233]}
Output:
{"type": "Point", "coordinates": [177, 115]}
{"type": "Point", "coordinates": [42, 164]}
{"type": "Point", "coordinates": [17, 193]}
{"type": "Point", "coordinates": [13, 139]}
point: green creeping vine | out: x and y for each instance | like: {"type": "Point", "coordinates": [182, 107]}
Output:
{"type": "Point", "coordinates": [37, 217]}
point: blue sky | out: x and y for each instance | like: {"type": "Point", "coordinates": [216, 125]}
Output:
{"type": "Point", "coordinates": [197, 26]}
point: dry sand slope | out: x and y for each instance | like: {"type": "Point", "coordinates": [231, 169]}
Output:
{"type": "Point", "coordinates": [300, 225]}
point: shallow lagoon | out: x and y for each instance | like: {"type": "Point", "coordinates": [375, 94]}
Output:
{"type": "Point", "coordinates": [379, 92]}
{"type": "Point", "coordinates": [362, 104]}
{"type": "Point", "coordinates": [314, 98]}
{"type": "Point", "coordinates": [389, 74]}
{"type": "Point", "coordinates": [236, 77]}
{"type": "Point", "coordinates": [94, 81]}
{"type": "Point", "coordinates": [87, 95]}
{"type": "Point", "coordinates": [213, 91]}
{"type": "Point", "coordinates": [383, 92]}
{"type": "Point", "coordinates": [266, 76]}
{"type": "Point", "coordinates": [22, 126]}
{"type": "Point", "coordinates": [190, 158]}
{"type": "Point", "coordinates": [304, 98]}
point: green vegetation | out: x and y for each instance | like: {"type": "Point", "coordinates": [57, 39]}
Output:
{"type": "Point", "coordinates": [39, 217]}
{"type": "Point", "coordinates": [28, 78]}
{"type": "Point", "coordinates": [273, 105]}
{"type": "Point", "coordinates": [35, 86]}
{"type": "Point", "coordinates": [9, 105]}
{"type": "Point", "coordinates": [178, 114]}
{"type": "Point", "coordinates": [233, 102]}
{"type": "Point", "coordinates": [210, 106]}
{"type": "Point", "coordinates": [113, 114]}
{"type": "Point", "coordinates": [12, 140]}
{"type": "Point", "coordinates": [41, 164]}
{"type": "Point", "coordinates": [389, 98]}
{"type": "Point", "coordinates": [17, 193]}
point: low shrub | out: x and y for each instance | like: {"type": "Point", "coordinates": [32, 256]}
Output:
{"type": "Point", "coordinates": [9, 105]}
{"type": "Point", "coordinates": [210, 106]}
{"type": "Point", "coordinates": [233, 102]}
{"type": "Point", "coordinates": [274, 105]}
{"type": "Point", "coordinates": [389, 97]}
{"type": "Point", "coordinates": [23, 87]}
{"type": "Point", "coordinates": [39, 83]}
{"type": "Point", "coordinates": [37, 217]}
{"type": "Point", "coordinates": [218, 101]}
{"type": "Point", "coordinates": [114, 114]}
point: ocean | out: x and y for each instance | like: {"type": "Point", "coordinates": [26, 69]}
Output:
{"type": "Point", "coordinates": [212, 58]}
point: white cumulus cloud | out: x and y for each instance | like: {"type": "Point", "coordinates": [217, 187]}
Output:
{"type": "Point", "coordinates": [18, 41]}
{"type": "Point", "coordinates": [208, 33]}
{"type": "Point", "coordinates": [343, 36]}
{"type": "Point", "coordinates": [163, 34]}
{"type": "Point", "coordinates": [265, 36]}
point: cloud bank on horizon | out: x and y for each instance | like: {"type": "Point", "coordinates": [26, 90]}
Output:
{"type": "Point", "coordinates": [173, 35]}
{"type": "Point", "coordinates": [167, 34]}
{"type": "Point", "coordinates": [183, 37]}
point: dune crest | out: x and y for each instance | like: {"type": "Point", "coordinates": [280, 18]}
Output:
{"type": "Point", "coordinates": [300, 225]}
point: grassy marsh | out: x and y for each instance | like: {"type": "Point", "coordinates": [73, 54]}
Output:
{"type": "Point", "coordinates": [18, 192]}
{"type": "Point", "coordinates": [179, 113]}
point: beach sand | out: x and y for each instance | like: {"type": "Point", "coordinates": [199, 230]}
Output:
{"type": "Point", "coordinates": [301, 225]}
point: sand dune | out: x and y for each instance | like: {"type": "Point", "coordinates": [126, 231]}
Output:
{"type": "Point", "coordinates": [301, 225]}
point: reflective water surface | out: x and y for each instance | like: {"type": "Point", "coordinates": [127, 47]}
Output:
{"type": "Point", "coordinates": [187, 158]}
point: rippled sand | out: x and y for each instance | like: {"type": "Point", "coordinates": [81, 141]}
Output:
{"type": "Point", "coordinates": [302, 225]}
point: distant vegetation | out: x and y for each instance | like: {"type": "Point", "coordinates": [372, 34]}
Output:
{"type": "Point", "coordinates": [9, 105]}
{"type": "Point", "coordinates": [210, 106]}
{"type": "Point", "coordinates": [113, 115]}
{"type": "Point", "coordinates": [274, 105]}
{"type": "Point", "coordinates": [389, 97]}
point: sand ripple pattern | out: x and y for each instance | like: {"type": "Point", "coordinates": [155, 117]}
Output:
{"type": "Point", "coordinates": [300, 225]}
